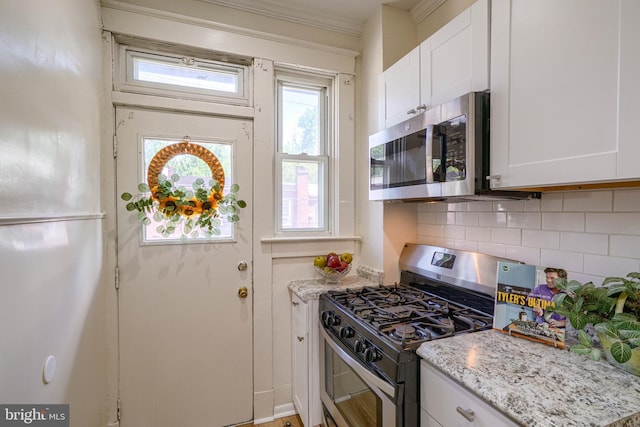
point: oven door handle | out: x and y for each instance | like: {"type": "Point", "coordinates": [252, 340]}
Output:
{"type": "Point", "coordinates": [370, 378]}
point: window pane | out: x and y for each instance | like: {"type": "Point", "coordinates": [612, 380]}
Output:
{"type": "Point", "coordinates": [301, 185]}
{"type": "Point", "coordinates": [300, 121]}
{"type": "Point", "coordinates": [189, 168]}
{"type": "Point", "coordinates": [196, 76]}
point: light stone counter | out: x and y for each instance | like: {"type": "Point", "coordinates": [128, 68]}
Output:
{"type": "Point", "coordinates": [537, 385]}
{"type": "Point", "coordinates": [310, 289]}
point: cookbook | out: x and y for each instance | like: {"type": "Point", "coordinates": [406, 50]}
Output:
{"type": "Point", "coordinates": [523, 302]}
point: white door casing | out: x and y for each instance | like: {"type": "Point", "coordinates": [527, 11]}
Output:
{"type": "Point", "coordinates": [185, 334]}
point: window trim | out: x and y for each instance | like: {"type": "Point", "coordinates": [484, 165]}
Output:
{"type": "Point", "coordinates": [326, 82]}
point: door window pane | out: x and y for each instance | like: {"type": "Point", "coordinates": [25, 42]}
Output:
{"type": "Point", "coordinates": [189, 168]}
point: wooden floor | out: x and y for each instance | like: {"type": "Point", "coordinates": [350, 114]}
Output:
{"type": "Point", "coordinates": [294, 421]}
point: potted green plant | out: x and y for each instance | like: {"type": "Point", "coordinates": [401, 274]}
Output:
{"type": "Point", "coordinates": [613, 310]}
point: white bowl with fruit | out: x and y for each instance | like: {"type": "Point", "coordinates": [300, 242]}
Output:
{"type": "Point", "coordinates": [332, 266]}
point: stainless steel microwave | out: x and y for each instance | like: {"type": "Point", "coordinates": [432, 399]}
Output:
{"type": "Point", "coordinates": [439, 155]}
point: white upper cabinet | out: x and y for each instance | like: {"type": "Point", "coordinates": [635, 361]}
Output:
{"type": "Point", "coordinates": [455, 60]}
{"type": "Point", "coordinates": [564, 91]}
{"type": "Point", "coordinates": [450, 63]}
{"type": "Point", "coordinates": [402, 88]}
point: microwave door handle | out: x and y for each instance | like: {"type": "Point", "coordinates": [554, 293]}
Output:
{"type": "Point", "coordinates": [443, 154]}
{"type": "Point", "coordinates": [429, 153]}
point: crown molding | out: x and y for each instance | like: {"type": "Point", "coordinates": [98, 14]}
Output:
{"type": "Point", "coordinates": [295, 14]}
{"type": "Point", "coordinates": [155, 13]}
{"type": "Point", "coordinates": [424, 9]}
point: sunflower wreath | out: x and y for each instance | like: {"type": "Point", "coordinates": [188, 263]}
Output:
{"type": "Point", "coordinates": [195, 212]}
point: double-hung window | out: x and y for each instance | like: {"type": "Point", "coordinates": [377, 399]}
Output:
{"type": "Point", "coordinates": [303, 153]}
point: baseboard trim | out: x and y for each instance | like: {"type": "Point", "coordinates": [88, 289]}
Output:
{"type": "Point", "coordinates": [282, 411]}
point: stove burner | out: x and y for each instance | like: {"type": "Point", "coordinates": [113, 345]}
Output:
{"type": "Point", "coordinates": [404, 332]}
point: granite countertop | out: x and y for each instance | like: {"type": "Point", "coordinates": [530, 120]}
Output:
{"type": "Point", "coordinates": [537, 385]}
{"type": "Point", "coordinates": [310, 289]}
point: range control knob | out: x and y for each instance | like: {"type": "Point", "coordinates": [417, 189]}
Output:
{"type": "Point", "coordinates": [324, 318]}
{"type": "Point", "coordinates": [360, 346]}
{"type": "Point", "coordinates": [347, 332]}
{"type": "Point", "coordinates": [371, 355]}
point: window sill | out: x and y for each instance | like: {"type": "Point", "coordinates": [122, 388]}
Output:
{"type": "Point", "coordinates": [297, 239]}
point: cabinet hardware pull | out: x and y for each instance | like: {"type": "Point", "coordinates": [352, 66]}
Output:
{"type": "Point", "coordinates": [294, 303]}
{"type": "Point", "coordinates": [412, 111]}
{"type": "Point", "coordinates": [421, 107]}
{"type": "Point", "coordinates": [300, 339]}
{"type": "Point", "coordinates": [468, 414]}
{"type": "Point", "coordinates": [496, 177]}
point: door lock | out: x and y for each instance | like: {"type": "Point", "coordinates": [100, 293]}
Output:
{"type": "Point", "coordinates": [243, 292]}
{"type": "Point", "coordinates": [242, 266]}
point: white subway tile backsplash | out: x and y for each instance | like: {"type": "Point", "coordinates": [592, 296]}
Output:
{"type": "Point", "coordinates": [508, 236]}
{"type": "Point", "coordinates": [588, 201]}
{"type": "Point", "coordinates": [431, 230]}
{"type": "Point", "coordinates": [583, 242]}
{"type": "Point", "coordinates": [479, 234]}
{"type": "Point", "coordinates": [426, 217]}
{"type": "Point", "coordinates": [592, 234]}
{"type": "Point", "coordinates": [613, 223]}
{"type": "Point", "coordinates": [467, 218]}
{"type": "Point", "coordinates": [492, 219]}
{"type": "Point", "coordinates": [532, 205]}
{"type": "Point", "coordinates": [570, 261]}
{"type": "Point", "coordinates": [563, 221]}
{"type": "Point", "coordinates": [509, 206]}
{"type": "Point", "coordinates": [524, 254]}
{"type": "Point", "coordinates": [606, 266]}
{"type": "Point", "coordinates": [494, 249]}
{"type": "Point", "coordinates": [480, 206]}
{"type": "Point", "coordinates": [524, 220]}
{"type": "Point", "coordinates": [466, 245]}
{"type": "Point", "coordinates": [541, 239]}
{"type": "Point", "coordinates": [625, 246]}
{"type": "Point", "coordinates": [551, 202]}
{"type": "Point", "coordinates": [626, 201]}
{"type": "Point", "coordinates": [454, 232]}
{"type": "Point", "coordinates": [445, 218]}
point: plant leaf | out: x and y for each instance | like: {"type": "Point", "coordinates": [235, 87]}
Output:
{"type": "Point", "coordinates": [175, 177]}
{"type": "Point", "coordinates": [580, 349]}
{"type": "Point", "coordinates": [242, 204]}
{"type": "Point", "coordinates": [578, 320]}
{"type": "Point", "coordinates": [584, 338]}
{"type": "Point", "coordinates": [126, 196]}
{"type": "Point", "coordinates": [131, 206]}
{"type": "Point", "coordinates": [607, 329]}
{"type": "Point", "coordinates": [143, 187]}
{"type": "Point", "coordinates": [235, 188]}
{"type": "Point", "coordinates": [621, 351]}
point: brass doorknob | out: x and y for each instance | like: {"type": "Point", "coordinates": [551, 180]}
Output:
{"type": "Point", "coordinates": [243, 292]}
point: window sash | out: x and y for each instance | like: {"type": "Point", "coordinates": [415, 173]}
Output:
{"type": "Point", "coordinates": [288, 201]}
{"type": "Point", "coordinates": [181, 86]}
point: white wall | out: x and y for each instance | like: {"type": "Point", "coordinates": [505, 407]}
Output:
{"type": "Point", "coordinates": [51, 244]}
{"type": "Point", "coordinates": [592, 234]}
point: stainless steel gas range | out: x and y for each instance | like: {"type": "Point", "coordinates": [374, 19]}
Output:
{"type": "Point", "coordinates": [369, 366]}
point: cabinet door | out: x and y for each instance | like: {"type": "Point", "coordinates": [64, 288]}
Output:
{"type": "Point", "coordinates": [455, 60]}
{"type": "Point", "coordinates": [402, 88]}
{"type": "Point", "coordinates": [447, 403]}
{"type": "Point", "coordinates": [300, 357]}
{"type": "Point", "coordinates": [629, 147]}
{"type": "Point", "coordinates": [554, 85]}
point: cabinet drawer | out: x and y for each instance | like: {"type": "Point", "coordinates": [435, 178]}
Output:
{"type": "Point", "coordinates": [446, 402]}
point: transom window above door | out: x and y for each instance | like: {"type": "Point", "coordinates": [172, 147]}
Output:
{"type": "Point", "coordinates": [166, 74]}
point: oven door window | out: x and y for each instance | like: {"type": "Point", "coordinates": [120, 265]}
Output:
{"type": "Point", "coordinates": [358, 404]}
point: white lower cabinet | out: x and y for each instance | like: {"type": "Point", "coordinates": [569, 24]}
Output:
{"type": "Point", "coordinates": [306, 360]}
{"type": "Point", "coordinates": [445, 403]}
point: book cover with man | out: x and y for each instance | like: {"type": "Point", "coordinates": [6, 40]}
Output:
{"type": "Point", "coordinates": [523, 302]}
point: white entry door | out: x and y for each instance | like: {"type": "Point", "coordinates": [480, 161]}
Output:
{"type": "Point", "coordinates": [185, 328]}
